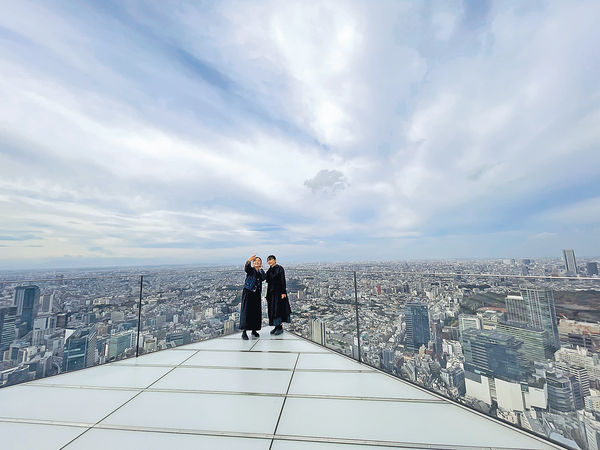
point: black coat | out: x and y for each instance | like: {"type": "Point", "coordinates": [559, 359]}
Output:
{"type": "Point", "coordinates": [278, 307]}
{"type": "Point", "coordinates": [251, 307]}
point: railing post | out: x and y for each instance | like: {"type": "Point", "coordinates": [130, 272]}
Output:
{"type": "Point", "coordinates": [357, 324]}
{"type": "Point", "coordinates": [137, 345]}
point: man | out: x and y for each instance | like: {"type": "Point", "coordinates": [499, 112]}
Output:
{"type": "Point", "coordinates": [277, 301]}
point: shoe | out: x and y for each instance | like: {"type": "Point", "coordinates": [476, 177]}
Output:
{"type": "Point", "coordinates": [278, 331]}
{"type": "Point", "coordinates": [255, 334]}
{"type": "Point", "coordinates": [244, 335]}
{"type": "Point", "coordinates": [273, 330]}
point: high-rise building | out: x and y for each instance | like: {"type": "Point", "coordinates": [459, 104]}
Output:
{"type": "Point", "coordinates": [580, 382]}
{"type": "Point", "coordinates": [467, 322]}
{"type": "Point", "coordinates": [80, 349]}
{"type": "Point", "coordinates": [7, 327]}
{"type": "Point", "coordinates": [26, 300]}
{"type": "Point", "coordinates": [46, 303]}
{"type": "Point", "coordinates": [416, 316]}
{"type": "Point", "coordinates": [560, 392]}
{"type": "Point", "coordinates": [388, 358]}
{"type": "Point", "coordinates": [492, 354]}
{"type": "Point", "coordinates": [228, 327]}
{"type": "Point", "coordinates": [516, 309]}
{"type": "Point", "coordinates": [436, 327]}
{"type": "Point", "coordinates": [591, 268]}
{"type": "Point", "coordinates": [317, 331]}
{"type": "Point", "coordinates": [542, 313]}
{"type": "Point", "coordinates": [118, 344]}
{"type": "Point", "coordinates": [570, 262]}
{"type": "Point", "coordinates": [536, 346]}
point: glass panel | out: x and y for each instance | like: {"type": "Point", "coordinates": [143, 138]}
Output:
{"type": "Point", "coordinates": [184, 306]}
{"type": "Point", "coordinates": [520, 348]}
{"type": "Point", "coordinates": [60, 324]}
{"type": "Point", "coordinates": [323, 307]}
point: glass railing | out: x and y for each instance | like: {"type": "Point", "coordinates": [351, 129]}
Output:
{"type": "Point", "coordinates": [50, 326]}
{"type": "Point", "coordinates": [522, 349]}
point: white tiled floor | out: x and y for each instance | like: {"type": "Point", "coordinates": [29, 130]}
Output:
{"type": "Point", "coordinates": [109, 376]}
{"type": "Point", "coordinates": [26, 436]}
{"type": "Point", "coordinates": [232, 380]}
{"type": "Point", "coordinates": [279, 392]}
{"type": "Point", "coordinates": [243, 359]}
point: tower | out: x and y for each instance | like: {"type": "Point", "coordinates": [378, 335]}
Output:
{"type": "Point", "coordinates": [542, 313]}
{"type": "Point", "coordinates": [417, 325]}
{"type": "Point", "coordinates": [570, 262]}
{"type": "Point", "coordinates": [26, 300]}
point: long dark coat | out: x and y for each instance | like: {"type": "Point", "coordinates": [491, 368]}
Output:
{"type": "Point", "coordinates": [251, 309]}
{"type": "Point", "coordinates": [278, 307]}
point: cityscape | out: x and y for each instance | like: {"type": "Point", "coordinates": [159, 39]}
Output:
{"type": "Point", "coordinates": [517, 339]}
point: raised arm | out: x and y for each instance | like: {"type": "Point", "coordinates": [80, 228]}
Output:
{"type": "Point", "coordinates": [248, 267]}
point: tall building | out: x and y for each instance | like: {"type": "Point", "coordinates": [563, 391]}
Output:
{"type": "Point", "coordinates": [536, 346]}
{"type": "Point", "coordinates": [516, 309]}
{"type": "Point", "coordinates": [560, 392]}
{"type": "Point", "coordinates": [416, 316]}
{"type": "Point", "coordinates": [570, 262]}
{"type": "Point", "coordinates": [228, 327]}
{"type": "Point", "coordinates": [118, 344]}
{"type": "Point", "coordinates": [542, 313]}
{"type": "Point", "coordinates": [80, 349]}
{"type": "Point", "coordinates": [317, 331]}
{"type": "Point", "coordinates": [467, 322]}
{"type": "Point", "coordinates": [7, 327]}
{"type": "Point", "coordinates": [26, 300]}
{"type": "Point", "coordinates": [591, 268]}
{"type": "Point", "coordinates": [492, 354]}
{"type": "Point", "coordinates": [46, 303]}
{"type": "Point", "coordinates": [436, 327]}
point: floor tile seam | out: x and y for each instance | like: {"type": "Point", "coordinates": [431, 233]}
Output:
{"type": "Point", "coordinates": [74, 386]}
{"type": "Point", "coordinates": [380, 443]}
{"type": "Point", "coordinates": [200, 366]}
{"type": "Point", "coordinates": [56, 423]}
{"type": "Point", "coordinates": [89, 387]}
{"type": "Point", "coordinates": [251, 393]}
{"type": "Point", "coordinates": [284, 400]}
{"type": "Point", "coordinates": [448, 401]}
{"type": "Point", "coordinates": [257, 351]}
{"type": "Point", "coordinates": [273, 369]}
{"type": "Point", "coordinates": [185, 431]}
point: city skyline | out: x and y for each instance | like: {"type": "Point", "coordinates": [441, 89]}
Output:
{"type": "Point", "coordinates": [138, 134]}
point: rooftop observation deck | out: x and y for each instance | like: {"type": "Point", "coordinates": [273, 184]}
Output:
{"type": "Point", "coordinates": [275, 392]}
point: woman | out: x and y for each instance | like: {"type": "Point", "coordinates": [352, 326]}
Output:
{"type": "Point", "coordinates": [251, 311]}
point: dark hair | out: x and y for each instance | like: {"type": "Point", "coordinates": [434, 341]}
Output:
{"type": "Point", "coordinates": [271, 257]}
{"type": "Point", "coordinates": [258, 257]}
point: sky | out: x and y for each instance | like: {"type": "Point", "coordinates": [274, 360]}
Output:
{"type": "Point", "coordinates": [201, 132]}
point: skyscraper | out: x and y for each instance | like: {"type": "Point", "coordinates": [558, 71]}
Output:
{"type": "Point", "coordinates": [26, 300]}
{"type": "Point", "coordinates": [7, 327]}
{"type": "Point", "coordinates": [536, 346]}
{"type": "Point", "coordinates": [560, 392]}
{"type": "Point", "coordinates": [492, 354]}
{"type": "Point", "coordinates": [416, 316]}
{"type": "Point", "coordinates": [516, 309]}
{"type": "Point", "coordinates": [570, 262]}
{"type": "Point", "coordinates": [317, 331]}
{"type": "Point", "coordinates": [542, 313]}
{"type": "Point", "coordinates": [80, 349]}
{"type": "Point", "coordinates": [591, 268]}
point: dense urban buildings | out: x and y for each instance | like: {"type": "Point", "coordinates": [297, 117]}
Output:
{"type": "Point", "coordinates": [507, 345]}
